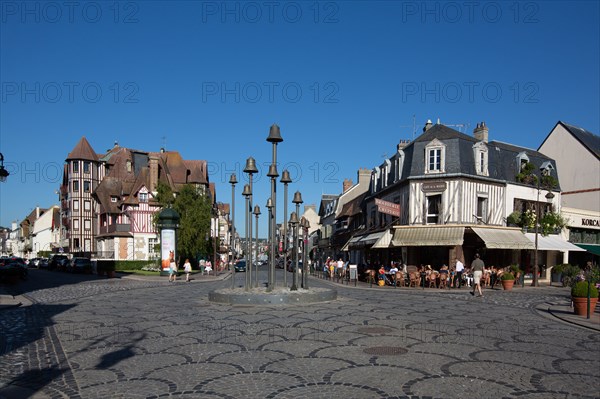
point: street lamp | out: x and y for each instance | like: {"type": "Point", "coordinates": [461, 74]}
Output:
{"type": "Point", "coordinates": [250, 169]}
{"type": "Point", "coordinates": [247, 193]}
{"type": "Point", "coordinates": [305, 226]}
{"type": "Point", "coordinates": [549, 197]}
{"type": "Point", "coordinates": [272, 227]}
{"type": "Point", "coordinates": [256, 213]}
{"type": "Point", "coordinates": [233, 181]}
{"type": "Point", "coordinates": [293, 224]}
{"type": "Point", "coordinates": [274, 138]}
{"type": "Point", "coordinates": [285, 179]}
{"type": "Point", "coordinates": [3, 172]}
{"type": "Point", "coordinates": [270, 215]}
{"type": "Point", "coordinates": [297, 200]}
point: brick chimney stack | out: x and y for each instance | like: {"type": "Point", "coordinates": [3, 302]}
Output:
{"type": "Point", "coordinates": [346, 185]}
{"type": "Point", "coordinates": [153, 172]}
{"type": "Point", "coordinates": [481, 132]}
{"type": "Point", "coordinates": [402, 144]}
{"type": "Point", "coordinates": [427, 125]}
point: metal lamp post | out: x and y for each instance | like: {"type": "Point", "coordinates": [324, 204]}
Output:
{"type": "Point", "coordinates": [297, 200]}
{"type": "Point", "coordinates": [293, 225]}
{"type": "Point", "coordinates": [272, 227]}
{"type": "Point", "coordinates": [233, 181]}
{"type": "Point", "coordinates": [305, 226]}
{"type": "Point", "coordinates": [270, 215]}
{"type": "Point", "coordinates": [285, 179]}
{"type": "Point", "coordinates": [247, 193]}
{"type": "Point", "coordinates": [250, 169]}
{"type": "Point", "coordinates": [549, 197]}
{"type": "Point", "coordinates": [256, 213]}
{"type": "Point", "coordinates": [3, 172]}
{"type": "Point", "coordinates": [274, 138]}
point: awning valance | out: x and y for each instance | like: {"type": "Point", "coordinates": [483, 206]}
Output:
{"type": "Point", "coordinates": [371, 238]}
{"type": "Point", "coordinates": [352, 242]}
{"type": "Point", "coordinates": [592, 248]}
{"type": "Point", "coordinates": [384, 241]}
{"type": "Point", "coordinates": [428, 236]}
{"type": "Point", "coordinates": [552, 243]}
{"type": "Point", "coordinates": [503, 238]}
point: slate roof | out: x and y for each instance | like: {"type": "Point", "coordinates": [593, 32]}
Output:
{"type": "Point", "coordinates": [352, 207]}
{"type": "Point", "coordinates": [503, 162]}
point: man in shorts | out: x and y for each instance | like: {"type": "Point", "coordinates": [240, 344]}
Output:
{"type": "Point", "coordinates": [477, 267]}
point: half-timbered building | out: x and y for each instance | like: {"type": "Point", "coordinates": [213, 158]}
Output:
{"type": "Point", "coordinates": [107, 200]}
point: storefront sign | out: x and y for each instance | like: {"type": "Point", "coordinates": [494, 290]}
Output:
{"type": "Point", "coordinates": [387, 207]}
{"type": "Point", "coordinates": [433, 187]}
{"type": "Point", "coordinates": [590, 222]}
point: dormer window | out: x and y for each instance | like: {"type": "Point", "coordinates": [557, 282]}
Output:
{"type": "Point", "coordinates": [399, 164]}
{"type": "Point", "coordinates": [435, 157]}
{"type": "Point", "coordinates": [480, 153]}
{"type": "Point", "coordinates": [128, 163]}
{"type": "Point", "coordinates": [143, 197]}
{"type": "Point", "coordinates": [113, 199]}
{"type": "Point", "coordinates": [522, 161]}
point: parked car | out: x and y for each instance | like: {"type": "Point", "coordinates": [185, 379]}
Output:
{"type": "Point", "coordinates": [240, 266]}
{"type": "Point", "coordinates": [59, 262]}
{"type": "Point", "coordinates": [80, 265]}
{"type": "Point", "coordinates": [292, 266]}
{"type": "Point", "coordinates": [43, 263]}
{"type": "Point", "coordinates": [13, 267]}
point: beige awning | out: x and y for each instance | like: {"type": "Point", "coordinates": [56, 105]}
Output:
{"type": "Point", "coordinates": [503, 238]}
{"type": "Point", "coordinates": [428, 236]}
{"type": "Point", "coordinates": [384, 241]}
{"type": "Point", "coordinates": [552, 243]}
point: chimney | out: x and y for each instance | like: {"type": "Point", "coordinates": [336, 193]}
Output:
{"type": "Point", "coordinates": [37, 212]}
{"type": "Point", "coordinates": [364, 177]}
{"type": "Point", "coordinates": [481, 132]}
{"type": "Point", "coordinates": [346, 185]}
{"type": "Point", "coordinates": [311, 206]}
{"type": "Point", "coordinates": [153, 163]}
{"type": "Point", "coordinates": [427, 125]}
{"type": "Point", "coordinates": [402, 144]}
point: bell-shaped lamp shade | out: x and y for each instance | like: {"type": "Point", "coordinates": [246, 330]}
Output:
{"type": "Point", "coordinates": [285, 177]}
{"type": "Point", "coordinates": [256, 210]}
{"type": "Point", "coordinates": [250, 166]}
{"type": "Point", "coordinates": [293, 219]}
{"type": "Point", "coordinates": [274, 135]}
{"type": "Point", "coordinates": [273, 171]}
{"type": "Point", "coordinates": [233, 179]}
{"type": "Point", "coordinates": [297, 198]}
{"type": "Point", "coordinates": [269, 203]}
{"type": "Point", "coordinates": [247, 192]}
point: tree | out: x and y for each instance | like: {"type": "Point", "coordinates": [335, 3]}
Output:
{"type": "Point", "coordinates": [194, 209]}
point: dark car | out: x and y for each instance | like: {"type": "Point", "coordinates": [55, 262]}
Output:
{"type": "Point", "coordinates": [42, 263]}
{"type": "Point", "coordinates": [80, 265]}
{"type": "Point", "coordinates": [240, 266]}
{"type": "Point", "coordinates": [292, 266]}
{"type": "Point", "coordinates": [58, 262]}
{"type": "Point", "coordinates": [13, 267]}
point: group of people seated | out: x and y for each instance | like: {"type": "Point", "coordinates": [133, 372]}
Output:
{"type": "Point", "coordinates": [425, 276]}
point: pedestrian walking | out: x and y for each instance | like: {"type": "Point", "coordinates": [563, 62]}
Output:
{"type": "Point", "coordinates": [477, 267]}
{"type": "Point", "coordinates": [187, 268]}
{"type": "Point", "coordinates": [172, 270]}
{"type": "Point", "coordinates": [460, 267]}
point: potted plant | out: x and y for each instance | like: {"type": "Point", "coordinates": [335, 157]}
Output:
{"type": "Point", "coordinates": [557, 271]}
{"type": "Point", "coordinates": [579, 297]}
{"type": "Point", "coordinates": [514, 219]}
{"type": "Point", "coordinates": [517, 272]}
{"type": "Point", "coordinates": [508, 280]}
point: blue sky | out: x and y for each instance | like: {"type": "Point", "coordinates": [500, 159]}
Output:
{"type": "Point", "coordinates": [343, 80]}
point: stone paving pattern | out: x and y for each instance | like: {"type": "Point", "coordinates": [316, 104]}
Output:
{"type": "Point", "coordinates": [125, 338]}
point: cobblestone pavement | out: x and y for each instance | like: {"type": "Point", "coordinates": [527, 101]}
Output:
{"type": "Point", "coordinates": [151, 339]}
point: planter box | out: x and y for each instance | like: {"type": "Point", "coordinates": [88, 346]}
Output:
{"type": "Point", "coordinates": [508, 284]}
{"type": "Point", "coordinates": [556, 277]}
{"type": "Point", "coordinates": [580, 305]}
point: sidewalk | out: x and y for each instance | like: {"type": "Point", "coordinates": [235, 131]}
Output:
{"type": "Point", "coordinates": [10, 301]}
{"type": "Point", "coordinates": [566, 314]}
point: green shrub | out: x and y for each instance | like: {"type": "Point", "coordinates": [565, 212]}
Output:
{"type": "Point", "coordinates": [514, 219]}
{"type": "Point", "coordinates": [507, 276]}
{"type": "Point", "coordinates": [580, 290]}
{"type": "Point", "coordinates": [514, 269]}
{"type": "Point", "coordinates": [133, 264]}
{"type": "Point", "coordinates": [560, 268]}
{"type": "Point", "coordinates": [569, 275]}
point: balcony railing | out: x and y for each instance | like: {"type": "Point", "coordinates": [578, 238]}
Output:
{"type": "Point", "coordinates": [115, 228]}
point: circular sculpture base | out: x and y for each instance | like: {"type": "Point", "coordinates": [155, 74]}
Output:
{"type": "Point", "coordinates": [279, 296]}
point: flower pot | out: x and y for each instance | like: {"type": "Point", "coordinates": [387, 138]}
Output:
{"type": "Point", "coordinates": [508, 284]}
{"type": "Point", "coordinates": [580, 305]}
{"type": "Point", "coordinates": [556, 277]}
